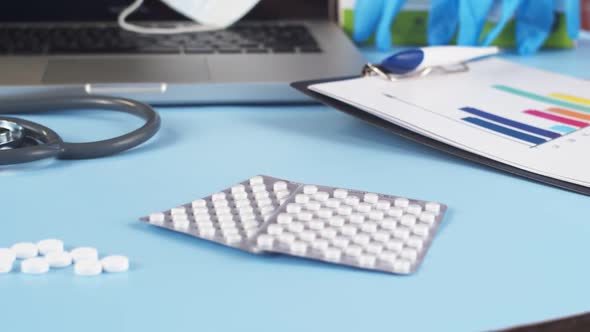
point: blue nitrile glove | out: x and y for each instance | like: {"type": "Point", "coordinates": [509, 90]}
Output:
{"type": "Point", "coordinates": [473, 15]}
{"type": "Point", "coordinates": [375, 16]}
{"type": "Point", "coordinates": [442, 21]}
{"type": "Point", "coordinates": [534, 19]}
{"type": "Point", "coordinates": [572, 13]}
{"type": "Point", "coordinates": [383, 37]}
{"type": "Point", "coordinates": [367, 14]}
{"type": "Point", "coordinates": [508, 7]}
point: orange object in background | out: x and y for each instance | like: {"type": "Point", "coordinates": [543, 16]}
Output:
{"type": "Point", "coordinates": [585, 8]}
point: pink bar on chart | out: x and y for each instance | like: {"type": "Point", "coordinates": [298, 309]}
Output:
{"type": "Point", "coordinates": [556, 118]}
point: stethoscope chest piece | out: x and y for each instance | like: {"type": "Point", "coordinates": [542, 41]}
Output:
{"type": "Point", "coordinates": [11, 134]}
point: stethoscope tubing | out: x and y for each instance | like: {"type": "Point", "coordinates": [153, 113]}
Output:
{"type": "Point", "coordinates": [52, 144]}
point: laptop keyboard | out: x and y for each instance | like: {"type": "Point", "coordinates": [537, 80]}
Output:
{"type": "Point", "coordinates": [239, 39]}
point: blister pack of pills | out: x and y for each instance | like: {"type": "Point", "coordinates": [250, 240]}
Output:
{"type": "Point", "coordinates": [341, 226]}
{"type": "Point", "coordinates": [230, 217]}
{"type": "Point", "coordinates": [354, 228]}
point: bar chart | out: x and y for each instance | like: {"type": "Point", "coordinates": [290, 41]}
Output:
{"type": "Point", "coordinates": [567, 115]}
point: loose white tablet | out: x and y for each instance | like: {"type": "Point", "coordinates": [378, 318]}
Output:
{"type": "Point", "coordinates": [88, 267]}
{"type": "Point", "coordinates": [115, 263]}
{"type": "Point", "coordinates": [59, 259]}
{"type": "Point", "coordinates": [35, 265]}
{"type": "Point", "coordinates": [6, 265]}
{"type": "Point", "coordinates": [24, 250]}
{"type": "Point", "coordinates": [7, 254]}
{"type": "Point", "coordinates": [50, 245]}
{"type": "Point", "coordinates": [84, 253]}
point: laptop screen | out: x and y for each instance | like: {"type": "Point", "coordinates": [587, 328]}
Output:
{"type": "Point", "coordinates": [107, 10]}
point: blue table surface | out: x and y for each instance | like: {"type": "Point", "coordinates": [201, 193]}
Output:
{"type": "Point", "coordinates": [510, 251]}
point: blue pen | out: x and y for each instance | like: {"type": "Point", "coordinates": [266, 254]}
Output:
{"type": "Point", "coordinates": [414, 60]}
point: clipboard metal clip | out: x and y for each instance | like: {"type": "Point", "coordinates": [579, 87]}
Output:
{"type": "Point", "coordinates": [425, 61]}
{"type": "Point", "coordinates": [378, 70]}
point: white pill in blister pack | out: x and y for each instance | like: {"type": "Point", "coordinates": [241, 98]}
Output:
{"type": "Point", "coordinates": [395, 212]}
{"type": "Point", "coordinates": [332, 202]}
{"type": "Point", "coordinates": [371, 198]}
{"type": "Point", "coordinates": [305, 216]}
{"type": "Point", "coordinates": [383, 205]}
{"type": "Point", "coordinates": [408, 220]}
{"type": "Point", "coordinates": [284, 218]}
{"type": "Point", "coordinates": [178, 211]}
{"type": "Point", "coordinates": [401, 202]}
{"type": "Point", "coordinates": [342, 226]}
{"type": "Point", "coordinates": [199, 203]}
{"type": "Point", "coordinates": [352, 200]}
{"type": "Point", "coordinates": [321, 196]}
{"type": "Point", "coordinates": [366, 230]}
{"type": "Point", "coordinates": [256, 180]}
{"type": "Point", "coordinates": [414, 209]}
{"type": "Point", "coordinates": [427, 217]}
{"type": "Point", "coordinates": [280, 186]}
{"type": "Point", "coordinates": [301, 199]}
{"type": "Point", "coordinates": [309, 189]}
{"type": "Point", "coordinates": [340, 193]}
{"type": "Point", "coordinates": [293, 208]}
{"type": "Point", "coordinates": [313, 206]}
{"type": "Point", "coordinates": [433, 207]}
{"type": "Point", "coordinates": [231, 216]}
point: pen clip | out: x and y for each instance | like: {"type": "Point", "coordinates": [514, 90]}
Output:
{"type": "Point", "coordinates": [377, 70]}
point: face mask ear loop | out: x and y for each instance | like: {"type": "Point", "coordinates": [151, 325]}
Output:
{"type": "Point", "coordinates": [122, 20]}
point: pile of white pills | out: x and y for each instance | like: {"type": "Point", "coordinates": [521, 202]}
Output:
{"type": "Point", "coordinates": [360, 229]}
{"type": "Point", "coordinates": [40, 257]}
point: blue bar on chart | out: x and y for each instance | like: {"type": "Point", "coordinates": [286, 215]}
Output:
{"type": "Point", "coordinates": [511, 123]}
{"type": "Point", "coordinates": [505, 130]}
{"type": "Point", "coordinates": [563, 129]}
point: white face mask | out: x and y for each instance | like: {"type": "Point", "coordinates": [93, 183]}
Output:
{"type": "Point", "coordinates": [210, 14]}
{"type": "Point", "coordinates": [220, 13]}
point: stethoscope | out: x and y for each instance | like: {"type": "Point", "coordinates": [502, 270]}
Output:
{"type": "Point", "coordinates": [23, 141]}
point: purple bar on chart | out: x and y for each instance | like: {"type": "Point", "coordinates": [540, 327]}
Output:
{"type": "Point", "coordinates": [556, 118]}
{"type": "Point", "coordinates": [512, 123]}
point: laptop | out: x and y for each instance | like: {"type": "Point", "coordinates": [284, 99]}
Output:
{"type": "Point", "coordinates": [74, 46]}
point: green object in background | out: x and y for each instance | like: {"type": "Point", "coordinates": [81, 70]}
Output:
{"type": "Point", "coordinates": [410, 28]}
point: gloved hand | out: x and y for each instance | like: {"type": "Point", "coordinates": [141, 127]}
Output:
{"type": "Point", "coordinates": [375, 16]}
{"type": "Point", "coordinates": [534, 20]}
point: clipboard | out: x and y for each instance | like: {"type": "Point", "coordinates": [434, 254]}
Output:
{"type": "Point", "coordinates": [303, 86]}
